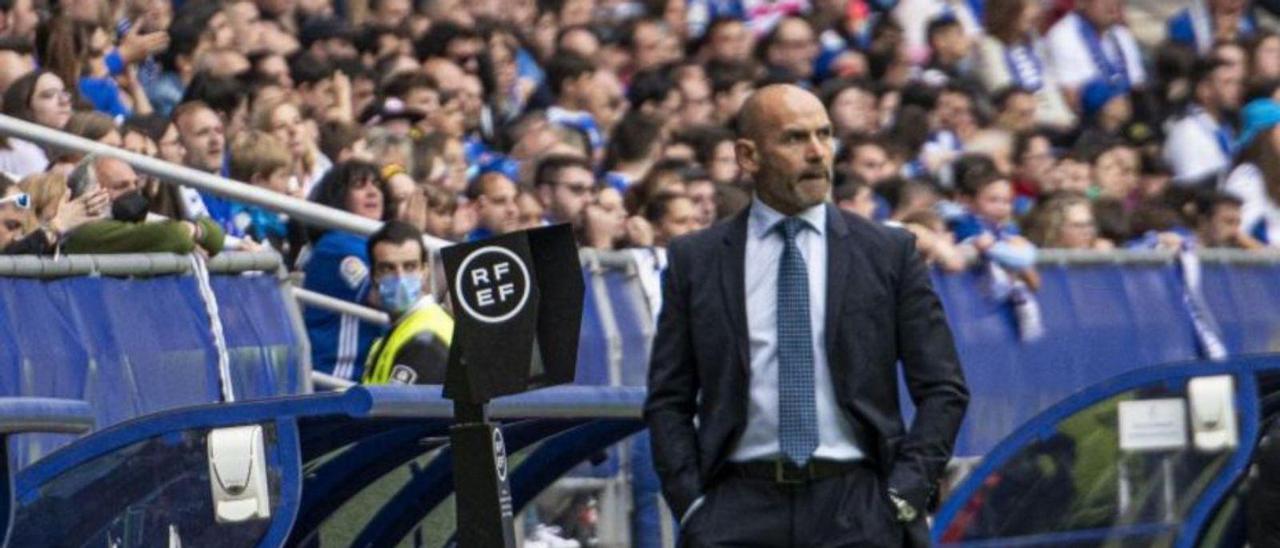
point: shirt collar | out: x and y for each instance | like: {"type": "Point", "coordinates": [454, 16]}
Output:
{"type": "Point", "coordinates": [764, 218]}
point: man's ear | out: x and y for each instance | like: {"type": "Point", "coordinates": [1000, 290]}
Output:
{"type": "Point", "coordinates": [748, 160]}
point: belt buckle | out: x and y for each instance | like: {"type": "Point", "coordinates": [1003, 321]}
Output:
{"type": "Point", "coordinates": [780, 474]}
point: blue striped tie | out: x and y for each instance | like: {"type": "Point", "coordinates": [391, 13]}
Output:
{"type": "Point", "coordinates": [797, 413]}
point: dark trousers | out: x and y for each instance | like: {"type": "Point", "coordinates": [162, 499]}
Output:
{"type": "Point", "coordinates": [842, 511]}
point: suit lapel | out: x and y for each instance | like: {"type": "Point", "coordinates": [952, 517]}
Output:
{"type": "Point", "coordinates": [733, 284]}
{"type": "Point", "coordinates": [838, 266]}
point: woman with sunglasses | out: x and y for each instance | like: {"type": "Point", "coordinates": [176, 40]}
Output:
{"type": "Point", "coordinates": [34, 221]}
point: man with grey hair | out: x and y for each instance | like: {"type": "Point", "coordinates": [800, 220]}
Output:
{"type": "Point", "coordinates": [126, 230]}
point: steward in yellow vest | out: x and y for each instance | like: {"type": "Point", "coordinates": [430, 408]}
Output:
{"type": "Point", "coordinates": [416, 350]}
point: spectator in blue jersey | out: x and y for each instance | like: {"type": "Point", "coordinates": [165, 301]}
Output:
{"type": "Point", "coordinates": [338, 266]}
{"type": "Point", "coordinates": [987, 223]}
{"type": "Point", "coordinates": [494, 197]}
{"type": "Point", "coordinates": [1205, 22]}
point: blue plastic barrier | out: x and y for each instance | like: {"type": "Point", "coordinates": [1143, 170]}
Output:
{"type": "Point", "coordinates": [144, 475]}
{"type": "Point", "coordinates": [131, 347]}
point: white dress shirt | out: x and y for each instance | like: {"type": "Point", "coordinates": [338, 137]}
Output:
{"type": "Point", "coordinates": [1072, 63]}
{"type": "Point", "coordinates": [764, 248]}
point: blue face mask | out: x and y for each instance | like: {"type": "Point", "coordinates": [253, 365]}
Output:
{"type": "Point", "coordinates": [399, 292]}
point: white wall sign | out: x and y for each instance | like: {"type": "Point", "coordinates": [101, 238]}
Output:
{"type": "Point", "coordinates": [1153, 425]}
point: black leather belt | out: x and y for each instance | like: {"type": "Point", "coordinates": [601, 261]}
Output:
{"type": "Point", "coordinates": [784, 471]}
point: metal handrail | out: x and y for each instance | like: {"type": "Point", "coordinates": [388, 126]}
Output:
{"type": "Point", "coordinates": [133, 264]}
{"type": "Point", "coordinates": [325, 302]}
{"type": "Point", "coordinates": [309, 213]}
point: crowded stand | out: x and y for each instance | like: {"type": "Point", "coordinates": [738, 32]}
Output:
{"type": "Point", "coordinates": [989, 129]}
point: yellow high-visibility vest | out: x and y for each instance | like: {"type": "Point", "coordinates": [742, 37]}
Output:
{"type": "Point", "coordinates": [381, 364]}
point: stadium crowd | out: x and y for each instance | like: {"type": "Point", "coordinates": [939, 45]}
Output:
{"type": "Point", "coordinates": [989, 128]}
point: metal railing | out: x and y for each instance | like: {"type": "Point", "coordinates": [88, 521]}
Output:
{"type": "Point", "coordinates": [309, 213]}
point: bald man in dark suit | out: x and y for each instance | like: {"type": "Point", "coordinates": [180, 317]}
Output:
{"type": "Point", "coordinates": [773, 397]}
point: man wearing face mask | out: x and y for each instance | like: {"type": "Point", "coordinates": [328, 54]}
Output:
{"type": "Point", "coordinates": [416, 351]}
{"type": "Point", "coordinates": [125, 231]}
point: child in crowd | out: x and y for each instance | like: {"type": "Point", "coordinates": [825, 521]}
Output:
{"type": "Point", "coordinates": [986, 229]}
{"type": "Point", "coordinates": [262, 160]}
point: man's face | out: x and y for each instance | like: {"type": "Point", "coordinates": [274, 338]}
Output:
{"type": "Point", "coordinates": [116, 177]}
{"type": "Point", "coordinates": [871, 163]}
{"type": "Point", "coordinates": [789, 152]}
{"type": "Point", "coordinates": [1224, 226]}
{"type": "Point", "coordinates": [1019, 113]}
{"type": "Point", "coordinates": [695, 106]}
{"type": "Point", "coordinates": [854, 111]}
{"type": "Point", "coordinates": [702, 194]}
{"type": "Point", "coordinates": [955, 111]}
{"type": "Point", "coordinates": [730, 42]}
{"type": "Point", "coordinates": [1227, 88]}
{"type": "Point", "coordinates": [794, 48]}
{"type": "Point", "coordinates": [607, 103]}
{"type": "Point", "coordinates": [319, 95]}
{"type": "Point", "coordinates": [497, 206]}
{"type": "Point", "coordinates": [245, 19]}
{"type": "Point", "coordinates": [952, 43]}
{"type": "Point", "coordinates": [576, 12]}
{"type": "Point", "coordinates": [22, 20]}
{"type": "Point", "coordinates": [1036, 162]}
{"type": "Point", "coordinates": [680, 219]}
{"type": "Point", "coordinates": [650, 48]}
{"type": "Point", "coordinates": [463, 52]}
{"type": "Point", "coordinates": [201, 134]}
{"type": "Point", "coordinates": [397, 260]}
{"type": "Point", "coordinates": [571, 191]}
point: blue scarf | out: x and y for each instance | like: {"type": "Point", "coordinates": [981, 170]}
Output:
{"type": "Point", "coordinates": [1115, 72]}
{"type": "Point", "coordinates": [1024, 66]}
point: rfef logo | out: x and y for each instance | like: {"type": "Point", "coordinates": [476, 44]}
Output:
{"type": "Point", "coordinates": [493, 284]}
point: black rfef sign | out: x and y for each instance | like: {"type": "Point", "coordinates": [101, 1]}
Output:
{"type": "Point", "coordinates": [518, 309]}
